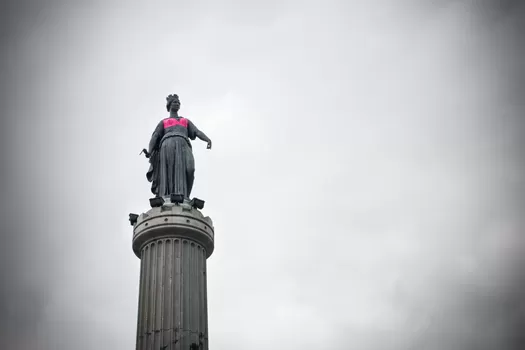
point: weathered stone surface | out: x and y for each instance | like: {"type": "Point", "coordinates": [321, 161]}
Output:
{"type": "Point", "coordinates": [173, 243]}
{"type": "Point", "coordinates": [172, 220]}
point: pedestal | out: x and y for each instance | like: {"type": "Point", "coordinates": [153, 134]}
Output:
{"type": "Point", "coordinates": [173, 243]}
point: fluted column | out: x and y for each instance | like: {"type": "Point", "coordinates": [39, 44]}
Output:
{"type": "Point", "coordinates": [173, 243]}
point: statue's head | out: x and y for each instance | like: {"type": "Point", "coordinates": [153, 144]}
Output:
{"type": "Point", "coordinates": [172, 103]}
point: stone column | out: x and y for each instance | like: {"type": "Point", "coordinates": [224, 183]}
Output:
{"type": "Point", "coordinates": [173, 243]}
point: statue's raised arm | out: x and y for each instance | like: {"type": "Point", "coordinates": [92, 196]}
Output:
{"type": "Point", "coordinates": [172, 165]}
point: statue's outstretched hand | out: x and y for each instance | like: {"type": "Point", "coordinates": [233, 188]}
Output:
{"type": "Point", "coordinates": [209, 145]}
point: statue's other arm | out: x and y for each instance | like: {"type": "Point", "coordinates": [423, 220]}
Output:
{"type": "Point", "coordinates": [202, 136]}
{"type": "Point", "coordinates": [196, 133]}
{"type": "Point", "coordinates": [156, 137]}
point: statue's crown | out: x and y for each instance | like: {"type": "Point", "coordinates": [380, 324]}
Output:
{"type": "Point", "coordinates": [172, 97]}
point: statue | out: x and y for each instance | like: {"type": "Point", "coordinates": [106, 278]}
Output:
{"type": "Point", "coordinates": [172, 165]}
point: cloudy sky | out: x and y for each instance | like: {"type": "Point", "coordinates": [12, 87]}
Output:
{"type": "Point", "coordinates": [366, 182]}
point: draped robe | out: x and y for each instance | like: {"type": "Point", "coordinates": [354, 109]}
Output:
{"type": "Point", "coordinates": [172, 166]}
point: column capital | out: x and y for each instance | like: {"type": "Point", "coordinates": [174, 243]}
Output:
{"type": "Point", "coordinates": [173, 221]}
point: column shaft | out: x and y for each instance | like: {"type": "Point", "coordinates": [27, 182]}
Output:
{"type": "Point", "coordinates": [172, 312]}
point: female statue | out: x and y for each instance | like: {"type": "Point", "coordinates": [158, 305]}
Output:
{"type": "Point", "coordinates": [172, 165]}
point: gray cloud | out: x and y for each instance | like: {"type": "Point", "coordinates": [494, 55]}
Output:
{"type": "Point", "coordinates": [366, 181]}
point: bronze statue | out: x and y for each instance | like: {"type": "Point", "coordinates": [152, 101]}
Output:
{"type": "Point", "coordinates": [172, 165]}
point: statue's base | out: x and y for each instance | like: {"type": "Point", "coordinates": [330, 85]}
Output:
{"type": "Point", "coordinates": [185, 204]}
{"type": "Point", "coordinates": [173, 220]}
{"type": "Point", "coordinates": [178, 200]}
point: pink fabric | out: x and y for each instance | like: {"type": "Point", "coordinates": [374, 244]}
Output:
{"type": "Point", "coordinates": [168, 122]}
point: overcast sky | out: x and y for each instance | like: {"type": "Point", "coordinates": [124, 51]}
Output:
{"type": "Point", "coordinates": [366, 182]}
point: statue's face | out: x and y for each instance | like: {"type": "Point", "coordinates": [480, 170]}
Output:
{"type": "Point", "coordinates": [175, 105]}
